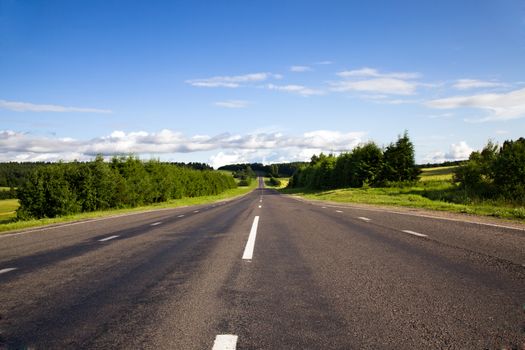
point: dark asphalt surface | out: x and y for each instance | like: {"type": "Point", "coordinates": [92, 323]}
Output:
{"type": "Point", "coordinates": [321, 277]}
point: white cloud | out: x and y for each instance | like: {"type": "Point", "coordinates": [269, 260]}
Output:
{"type": "Point", "coordinates": [370, 80]}
{"type": "Point", "coordinates": [232, 81]}
{"type": "Point", "coordinates": [500, 106]}
{"type": "Point", "coordinates": [380, 85]}
{"type": "Point", "coordinates": [28, 147]}
{"type": "Point", "coordinates": [441, 115]}
{"type": "Point", "coordinates": [30, 107]}
{"type": "Point", "coordinates": [299, 69]}
{"type": "Point", "coordinates": [232, 104]}
{"type": "Point", "coordinates": [502, 132]}
{"type": "Point", "coordinates": [465, 84]}
{"type": "Point", "coordinates": [374, 73]}
{"type": "Point", "coordinates": [457, 151]}
{"type": "Point", "coordinates": [297, 89]}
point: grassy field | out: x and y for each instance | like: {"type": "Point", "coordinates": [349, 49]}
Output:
{"type": "Point", "coordinates": [437, 174]}
{"type": "Point", "coordinates": [8, 206]}
{"type": "Point", "coordinates": [7, 209]}
{"type": "Point", "coordinates": [430, 192]}
{"type": "Point", "coordinates": [284, 182]}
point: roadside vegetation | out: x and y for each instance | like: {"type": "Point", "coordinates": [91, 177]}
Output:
{"type": "Point", "coordinates": [8, 221]}
{"type": "Point", "coordinates": [245, 176]}
{"type": "Point", "coordinates": [63, 189]}
{"type": "Point", "coordinates": [276, 183]}
{"type": "Point", "coordinates": [491, 182]}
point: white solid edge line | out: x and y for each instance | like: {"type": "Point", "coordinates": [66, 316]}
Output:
{"type": "Point", "coordinates": [363, 218]}
{"type": "Point", "coordinates": [225, 342]}
{"type": "Point", "coordinates": [9, 269]}
{"type": "Point", "coordinates": [156, 223]}
{"type": "Point", "coordinates": [107, 238]}
{"type": "Point", "coordinates": [250, 245]}
{"type": "Point", "coordinates": [416, 215]}
{"type": "Point", "coordinates": [414, 233]}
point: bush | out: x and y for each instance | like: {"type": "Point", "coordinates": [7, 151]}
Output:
{"type": "Point", "coordinates": [495, 172]}
{"type": "Point", "coordinates": [274, 182]}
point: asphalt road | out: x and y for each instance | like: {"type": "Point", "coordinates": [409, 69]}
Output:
{"type": "Point", "coordinates": [264, 271]}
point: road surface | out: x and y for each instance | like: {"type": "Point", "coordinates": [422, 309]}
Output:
{"type": "Point", "coordinates": [264, 271]}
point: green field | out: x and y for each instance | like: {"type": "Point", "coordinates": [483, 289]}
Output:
{"type": "Point", "coordinates": [434, 191]}
{"type": "Point", "coordinates": [284, 182]}
{"type": "Point", "coordinates": [7, 209]}
{"type": "Point", "coordinates": [8, 206]}
{"type": "Point", "coordinates": [437, 174]}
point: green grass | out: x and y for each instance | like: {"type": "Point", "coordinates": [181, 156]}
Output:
{"type": "Point", "coordinates": [434, 191]}
{"type": "Point", "coordinates": [442, 173]}
{"type": "Point", "coordinates": [284, 182]}
{"type": "Point", "coordinates": [4, 188]}
{"type": "Point", "coordinates": [7, 209]}
{"type": "Point", "coordinates": [7, 224]}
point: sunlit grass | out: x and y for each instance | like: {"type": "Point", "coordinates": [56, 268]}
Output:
{"type": "Point", "coordinates": [8, 209]}
{"type": "Point", "coordinates": [440, 173]}
{"type": "Point", "coordinates": [284, 182]}
{"type": "Point", "coordinates": [434, 191]}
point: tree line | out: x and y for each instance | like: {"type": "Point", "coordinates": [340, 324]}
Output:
{"type": "Point", "coordinates": [366, 164]}
{"type": "Point", "coordinates": [495, 172]}
{"type": "Point", "coordinates": [66, 188]}
{"type": "Point", "coordinates": [274, 170]}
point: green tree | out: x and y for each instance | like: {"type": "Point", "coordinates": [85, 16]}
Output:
{"type": "Point", "coordinates": [399, 161]}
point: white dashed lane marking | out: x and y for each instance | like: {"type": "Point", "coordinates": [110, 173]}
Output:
{"type": "Point", "coordinates": [156, 223]}
{"type": "Point", "coordinates": [181, 216]}
{"type": "Point", "coordinates": [363, 218]}
{"type": "Point", "coordinates": [250, 245]}
{"type": "Point", "coordinates": [225, 342]}
{"type": "Point", "coordinates": [338, 211]}
{"type": "Point", "coordinates": [108, 238]}
{"type": "Point", "coordinates": [414, 233]}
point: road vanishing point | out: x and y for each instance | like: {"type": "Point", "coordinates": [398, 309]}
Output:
{"type": "Point", "coordinates": [264, 271]}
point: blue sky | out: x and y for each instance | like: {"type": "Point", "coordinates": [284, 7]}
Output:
{"type": "Point", "coordinates": [270, 81]}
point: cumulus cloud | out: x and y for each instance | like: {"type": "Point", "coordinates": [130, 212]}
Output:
{"type": "Point", "coordinates": [28, 147]}
{"type": "Point", "coordinates": [31, 107]}
{"type": "Point", "coordinates": [465, 84]}
{"type": "Point", "coordinates": [370, 80]}
{"type": "Point", "coordinates": [499, 106]}
{"type": "Point", "coordinates": [232, 81]}
{"type": "Point", "coordinates": [299, 69]}
{"type": "Point", "coordinates": [457, 151]}
{"type": "Point", "coordinates": [232, 104]}
{"type": "Point", "coordinates": [296, 89]}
